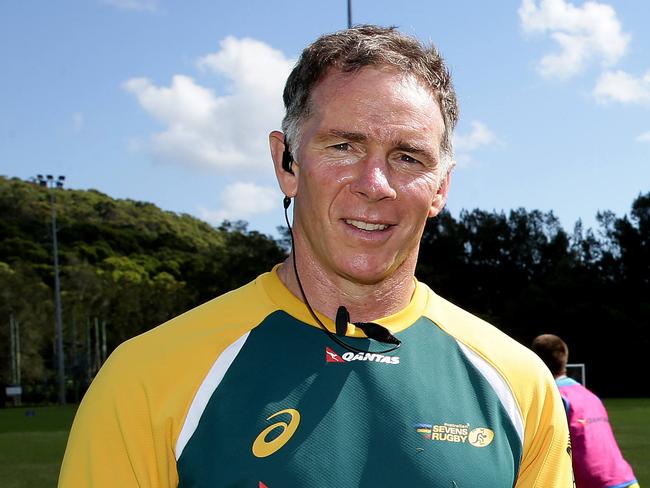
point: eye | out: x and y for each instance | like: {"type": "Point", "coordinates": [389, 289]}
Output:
{"type": "Point", "coordinates": [408, 159]}
{"type": "Point", "coordinates": [343, 146]}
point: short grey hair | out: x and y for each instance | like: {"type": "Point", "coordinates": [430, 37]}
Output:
{"type": "Point", "coordinates": [368, 45]}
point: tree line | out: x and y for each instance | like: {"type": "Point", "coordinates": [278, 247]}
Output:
{"type": "Point", "coordinates": [127, 266]}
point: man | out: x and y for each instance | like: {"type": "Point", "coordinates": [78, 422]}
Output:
{"type": "Point", "coordinates": [272, 385]}
{"type": "Point", "coordinates": [597, 460]}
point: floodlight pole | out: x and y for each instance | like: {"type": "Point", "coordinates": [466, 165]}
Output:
{"type": "Point", "coordinates": [57, 298]}
{"type": "Point", "coordinates": [349, 14]}
{"type": "Point", "coordinates": [53, 185]}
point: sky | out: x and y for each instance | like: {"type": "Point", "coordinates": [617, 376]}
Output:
{"type": "Point", "coordinates": [171, 102]}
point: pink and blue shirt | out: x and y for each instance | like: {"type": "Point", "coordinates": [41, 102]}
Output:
{"type": "Point", "coordinates": [597, 459]}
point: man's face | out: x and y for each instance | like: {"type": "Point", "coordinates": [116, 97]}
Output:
{"type": "Point", "coordinates": [369, 174]}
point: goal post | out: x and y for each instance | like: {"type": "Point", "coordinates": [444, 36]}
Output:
{"type": "Point", "coordinates": [577, 372]}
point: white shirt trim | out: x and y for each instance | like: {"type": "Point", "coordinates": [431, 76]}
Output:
{"type": "Point", "coordinates": [499, 386]}
{"type": "Point", "coordinates": [205, 391]}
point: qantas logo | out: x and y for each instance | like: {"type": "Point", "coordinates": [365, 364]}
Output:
{"type": "Point", "coordinates": [333, 357]}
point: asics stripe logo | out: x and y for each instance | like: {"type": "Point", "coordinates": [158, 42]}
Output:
{"type": "Point", "coordinates": [263, 448]}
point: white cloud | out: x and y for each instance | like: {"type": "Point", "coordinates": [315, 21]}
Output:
{"type": "Point", "coordinates": [150, 5]}
{"type": "Point", "coordinates": [589, 33]}
{"type": "Point", "coordinates": [645, 137]}
{"type": "Point", "coordinates": [77, 121]}
{"type": "Point", "coordinates": [225, 131]}
{"type": "Point", "coordinates": [619, 86]}
{"type": "Point", "coordinates": [480, 136]}
{"type": "Point", "coordinates": [241, 200]}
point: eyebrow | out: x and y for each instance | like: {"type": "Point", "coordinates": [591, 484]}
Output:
{"type": "Point", "coordinates": [343, 134]}
{"type": "Point", "coordinates": [413, 149]}
{"type": "Point", "coordinates": [400, 145]}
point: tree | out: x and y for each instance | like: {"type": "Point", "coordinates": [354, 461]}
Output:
{"type": "Point", "coordinates": [25, 298]}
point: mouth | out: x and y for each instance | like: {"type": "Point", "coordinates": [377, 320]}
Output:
{"type": "Point", "coordinates": [367, 226]}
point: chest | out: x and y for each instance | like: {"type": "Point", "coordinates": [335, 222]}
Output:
{"type": "Point", "coordinates": [309, 414]}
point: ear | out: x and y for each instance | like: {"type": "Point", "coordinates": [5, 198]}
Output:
{"type": "Point", "coordinates": [440, 198]}
{"type": "Point", "coordinates": [288, 182]}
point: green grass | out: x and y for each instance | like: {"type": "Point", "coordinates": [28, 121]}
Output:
{"type": "Point", "coordinates": [31, 448]}
{"type": "Point", "coordinates": [630, 418]}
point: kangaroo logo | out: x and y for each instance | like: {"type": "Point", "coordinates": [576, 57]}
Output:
{"type": "Point", "coordinates": [480, 437]}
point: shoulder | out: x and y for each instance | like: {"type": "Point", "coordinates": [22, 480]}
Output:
{"type": "Point", "coordinates": [206, 329]}
{"type": "Point", "coordinates": [524, 384]}
{"type": "Point", "coordinates": [514, 361]}
{"type": "Point", "coordinates": [167, 363]}
{"type": "Point", "coordinates": [132, 415]}
{"type": "Point", "coordinates": [577, 393]}
{"type": "Point", "coordinates": [157, 373]}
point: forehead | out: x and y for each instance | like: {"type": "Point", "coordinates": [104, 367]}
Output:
{"type": "Point", "coordinates": [379, 101]}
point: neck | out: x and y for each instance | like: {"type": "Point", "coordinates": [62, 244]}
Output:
{"type": "Point", "coordinates": [365, 302]}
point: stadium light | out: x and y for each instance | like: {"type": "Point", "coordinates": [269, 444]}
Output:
{"type": "Point", "coordinates": [50, 182]}
{"type": "Point", "coordinates": [349, 14]}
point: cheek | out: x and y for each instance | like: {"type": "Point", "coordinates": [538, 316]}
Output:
{"type": "Point", "coordinates": [334, 170]}
{"type": "Point", "coordinates": [325, 182]}
{"type": "Point", "coordinates": [342, 175]}
{"type": "Point", "coordinates": [315, 195]}
{"type": "Point", "coordinates": [418, 193]}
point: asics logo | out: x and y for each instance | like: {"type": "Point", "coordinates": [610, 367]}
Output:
{"type": "Point", "coordinates": [263, 448]}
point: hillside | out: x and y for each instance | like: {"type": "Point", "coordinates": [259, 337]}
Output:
{"type": "Point", "coordinates": [125, 265]}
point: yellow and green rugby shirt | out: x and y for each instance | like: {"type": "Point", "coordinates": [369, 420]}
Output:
{"type": "Point", "coordinates": [246, 391]}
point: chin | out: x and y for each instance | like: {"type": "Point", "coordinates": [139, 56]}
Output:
{"type": "Point", "coordinates": [365, 279]}
{"type": "Point", "coordinates": [367, 273]}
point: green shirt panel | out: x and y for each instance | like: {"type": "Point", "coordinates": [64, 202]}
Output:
{"type": "Point", "coordinates": [362, 422]}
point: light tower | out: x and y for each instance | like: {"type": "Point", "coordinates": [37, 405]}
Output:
{"type": "Point", "coordinates": [53, 184]}
{"type": "Point", "coordinates": [349, 14]}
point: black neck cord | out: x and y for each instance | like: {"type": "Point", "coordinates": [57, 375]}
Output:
{"type": "Point", "coordinates": [380, 333]}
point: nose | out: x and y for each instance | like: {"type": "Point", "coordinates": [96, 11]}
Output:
{"type": "Point", "coordinates": [372, 180]}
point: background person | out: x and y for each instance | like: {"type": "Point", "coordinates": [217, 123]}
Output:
{"type": "Point", "coordinates": [597, 459]}
{"type": "Point", "coordinates": [271, 384]}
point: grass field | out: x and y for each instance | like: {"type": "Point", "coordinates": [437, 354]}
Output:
{"type": "Point", "coordinates": [31, 447]}
{"type": "Point", "coordinates": [630, 418]}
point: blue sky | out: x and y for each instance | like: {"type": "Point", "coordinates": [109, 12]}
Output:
{"type": "Point", "coordinates": [171, 102]}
